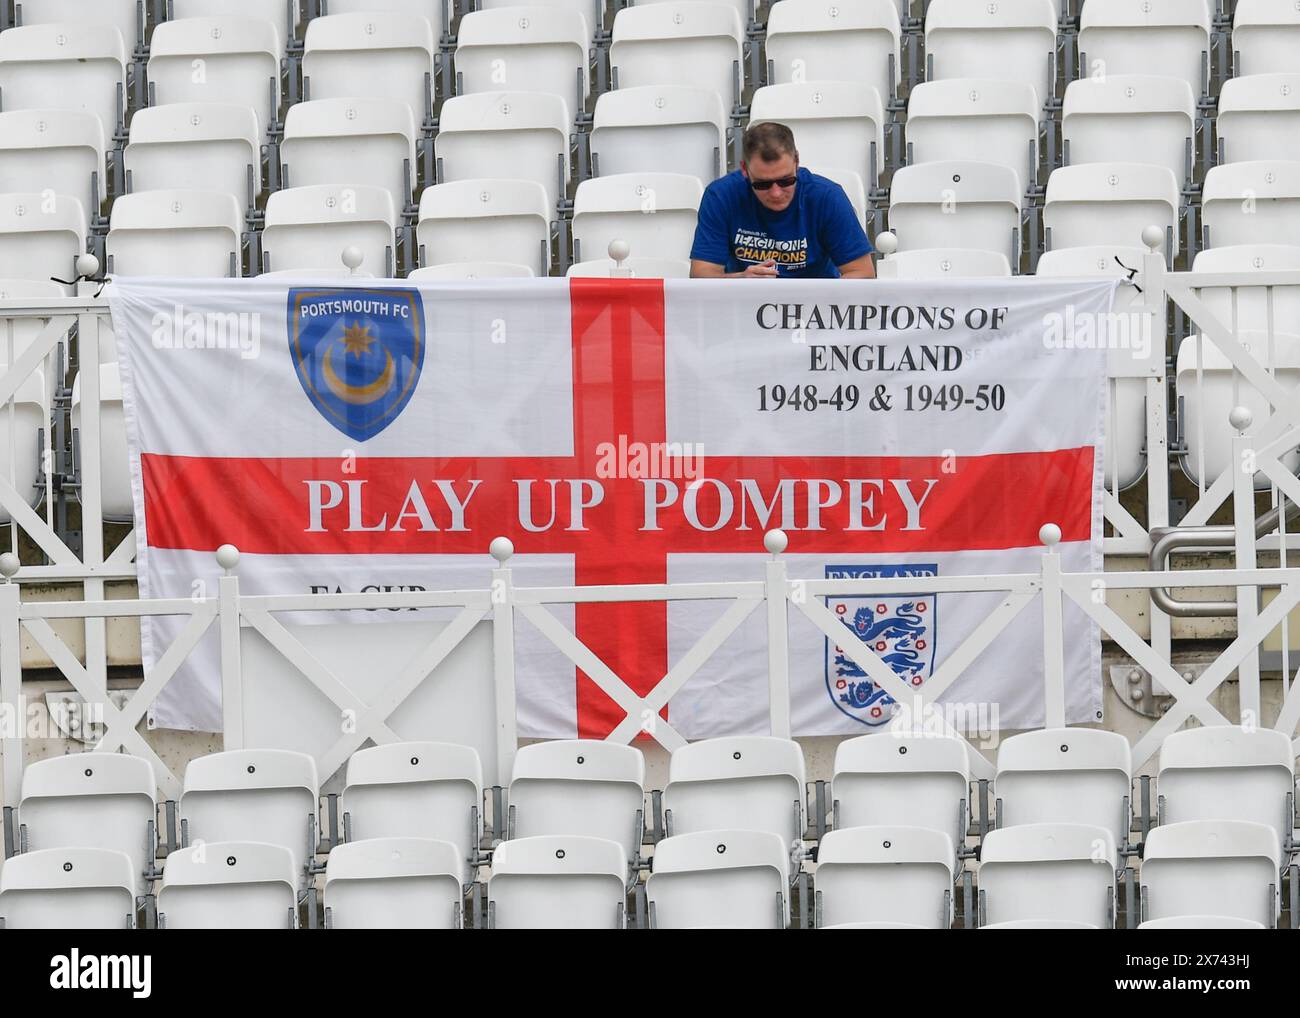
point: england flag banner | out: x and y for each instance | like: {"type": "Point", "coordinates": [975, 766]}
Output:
{"type": "Point", "coordinates": [375, 435]}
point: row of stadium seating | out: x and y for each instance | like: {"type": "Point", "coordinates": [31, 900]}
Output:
{"type": "Point", "coordinates": [1225, 809]}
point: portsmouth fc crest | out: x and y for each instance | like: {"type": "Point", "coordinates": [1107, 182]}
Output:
{"type": "Point", "coordinates": [358, 354]}
{"type": "Point", "coordinates": [898, 628]}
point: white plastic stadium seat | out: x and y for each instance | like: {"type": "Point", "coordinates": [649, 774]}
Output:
{"type": "Point", "coordinates": [679, 41]}
{"type": "Point", "coordinates": [1123, 37]}
{"type": "Point", "coordinates": [975, 118]}
{"type": "Point", "coordinates": [76, 67]}
{"type": "Point", "coordinates": [350, 142]}
{"type": "Point", "coordinates": [1265, 35]}
{"type": "Point", "coordinates": [821, 40]}
{"type": "Point", "coordinates": [1254, 202]}
{"type": "Point", "coordinates": [91, 800]}
{"type": "Point", "coordinates": [1066, 775]}
{"type": "Point", "coordinates": [560, 882]}
{"type": "Point", "coordinates": [393, 883]}
{"type": "Point", "coordinates": [55, 150]}
{"type": "Point", "coordinates": [641, 268]}
{"type": "Point", "coordinates": [720, 878]}
{"type": "Point", "coordinates": [308, 227]}
{"type": "Point", "coordinates": [1018, 37]}
{"type": "Point", "coordinates": [956, 204]}
{"type": "Point", "coordinates": [22, 331]}
{"type": "Point", "coordinates": [1110, 203]}
{"type": "Point", "coordinates": [175, 233]}
{"type": "Point", "coordinates": [209, 146]}
{"type": "Point", "coordinates": [373, 56]}
{"type": "Point", "coordinates": [114, 462]}
{"type": "Point", "coordinates": [654, 212]}
{"type": "Point", "coordinates": [1259, 118]}
{"type": "Point", "coordinates": [944, 263]}
{"type": "Point", "coordinates": [1224, 772]}
{"type": "Point", "coordinates": [1135, 118]}
{"type": "Point", "coordinates": [890, 780]}
{"type": "Point", "coordinates": [752, 782]}
{"type": "Point", "coordinates": [1040, 924]}
{"type": "Point", "coordinates": [229, 885]}
{"type": "Point", "coordinates": [1048, 871]}
{"type": "Point", "coordinates": [534, 49]}
{"type": "Point", "coordinates": [433, 11]}
{"type": "Point", "coordinates": [520, 135]}
{"type": "Point", "coordinates": [474, 270]}
{"type": "Point", "coordinates": [40, 236]}
{"type": "Point", "coordinates": [885, 874]}
{"type": "Point", "coordinates": [835, 124]}
{"type": "Point", "coordinates": [583, 787]}
{"type": "Point", "coordinates": [217, 59]}
{"type": "Point", "coordinates": [122, 15]}
{"type": "Point", "coordinates": [67, 889]}
{"type": "Point", "coordinates": [281, 15]}
{"type": "Point", "coordinates": [1201, 922]}
{"type": "Point", "coordinates": [660, 129]}
{"type": "Point", "coordinates": [1232, 864]}
{"type": "Point", "coordinates": [491, 220]}
{"type": "Point", "coordinates": [744, 9]}
{"type": "Point", "coordinates": [269, 795]}
{"type": "Point", "coordinates": [1248, 308]}
{"type": "Point", "coordinates": [592, 11]}
{"type": "Point", "coordinates": [31, 414]}
{"type": "Point", "coordinates": [416, 790]}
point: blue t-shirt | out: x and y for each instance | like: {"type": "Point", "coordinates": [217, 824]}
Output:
{"type": "Point", "coordinates": [817, 232]}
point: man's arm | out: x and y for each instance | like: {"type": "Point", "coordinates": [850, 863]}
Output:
{"type": "Point", "coordinates": [712, 270]}
{"type": "Point", "coordinates": [859, 268]}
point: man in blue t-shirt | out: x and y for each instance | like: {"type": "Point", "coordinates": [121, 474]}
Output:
{"type": "Point", "coordinates": [771, 218]}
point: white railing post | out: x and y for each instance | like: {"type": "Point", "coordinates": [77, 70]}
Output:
{"type": "Point", "coordinates": [232, 695]}
{"type": "Point", "coordinates": [1156, 303]}
{"type": "Point", "coordinates": [13, 716]}
{"type": "Point", "coordinates": [778, 636]}
{"type": "Point", "coordinates": [503, 658]}
{"type": "Point", "coordinates": [1243, 519]}
{"type": "Point", "coordinates": [1053, 631]}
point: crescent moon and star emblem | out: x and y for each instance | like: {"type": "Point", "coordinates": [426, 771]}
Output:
{"type": "Point", "coordinates": [356, 341]}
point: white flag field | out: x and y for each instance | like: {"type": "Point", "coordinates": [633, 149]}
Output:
{"type": "Point", "coordinates": [376, 435]}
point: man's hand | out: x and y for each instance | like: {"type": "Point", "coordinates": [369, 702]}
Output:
{"type": "Point", "coordinates": [765, 269]}
{"type": "Point", "coordinates": [709, 270]}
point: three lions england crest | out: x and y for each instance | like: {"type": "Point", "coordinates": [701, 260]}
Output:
{"type": "Point", "coordinates": [358, 353]}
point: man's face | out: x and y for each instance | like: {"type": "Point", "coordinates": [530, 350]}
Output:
{"type": "Point", "coordinates": [776, 197]}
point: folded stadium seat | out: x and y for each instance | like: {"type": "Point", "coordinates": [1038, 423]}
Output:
{"type": "Point", "coordinates": [745, 9]}
{"type": "Point", "coordinates": [350, 142]}
{"type": "Point", "coordinates": [175, 233]}
{"type": "Point", "coordinates": [1017, 37]}
{"type": "Point", "coordinates": [77, 67]}
{"type": "Point", "coordinates": [592, 11]}
{"type": "Point", "coordinates": [209, 146]}
{"type": "Point", "coordinates": [308, 227]}
{"type": "Point", "coordinates": [1224, 772]}
{"type": "Point", "coordinates": [742, 782]}
{"type": "Point", "coordinates": [910, 781]}
{"type": "Point", "coordinates": [850, 182]}
{"type": "Point", "coordinates": [394, 883]}
{"type": "Point", "coordinates": [490, 220]}
{"type": "Point", "coordinates": [1201, 922]}
{"type": "Point", "coordinates": [944, 263]}
{"type": "Point", "coordinates": [557, 882]}
{"type": "Point", "coordinates": [957, 204]}
{"type": "Point", "coordinates": [416, 790]}
{"type": "Point", "coordinates": [660, 129]}
{"type": "Point", "coordinates": [1123, 37]}
{"type": "Point", "coordinates": [520, 135]}
{"type": "Point", "coordinates": [835, 123]}
{"type": "Point", "coordinates": [975, 118]}
{"type": "Point", "coordinates": [114, 462]}
{"type": "Point", "coordinates": [1208, 387]}
{"type": "Point", "coordinates": [1249, 307]}
{"type": "Point", "coordinates": [371, 56]}
{"type": "Point", "coordinates": [57, 150]}
{"type": "Point", "coordinates": [281, 15]}
{"type": "Point", "coordinates": [40, 236]}
{"type": "Point", "coordinates": [265, 794]}
{"type": "Point", "coordinates": [1259, 118]}
{"type": "Point", "coordinates": [433, 11]}
{"type": "Point", "coordinates": [1255, 202]}
{"type": "Point", "coordinates": [229, 885]}
{"type": "Point", "coordinates": [24, 330]}
{"type": "Point", "coordinates": [725, 878]}
{"type": "Point", "coordinates": [68, 889]}
{"type": "Point", "coordinates": [826, 41]}
{"type": "Point", "coordinates": [474, 270]}
{"type": "Point", "coordinates": [873, 926]}
{"type": "Point", "coordinates": [1232, 864]}
{"type": "Point", "coordinates": [586, 787]}
{"type": "Point", "coordinates": [1067, 776]}
{"type": "Point", "coordinates": [1040, 924]}
{"type": "Point", "coordinates": [1048, 871]}
{"type": "Point", "coordinates": [123, 15]}
{"type": "Point", "coordinates": [216, 59]}
{"type": "Point", "coordinates": [92, 800]}
{"type": "Point", "coordinates": [1125, 456]}
{"type": "Point", "coordinates": [1136, 118]}
{"type": "Point", "coordinates": [885, 874]}
{"type": "Point", "coordinates": [654, 212]}
{"type": "Point", "coordinates": [1110, 203]}
{"type": "Point", "coordinates": [641, 268]}
{"type": "Point", "coordinates": [1265, 36]}
{"type": "Point", "coordinates": [679, 41]}
{"type": "Point", "coordinates": [518, 49]}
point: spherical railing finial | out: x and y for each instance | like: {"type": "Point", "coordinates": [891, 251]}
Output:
{"type": "Point", "coordinates": [352, 258]}
{"type": "Point", "coordinates": [619, 250]}
{"type": "Point", "coordinates": [87, 265]}
{"type": "Point", "coordinates": [1241, 419]}
{"type": "Point", "coordinates": [227, 557]}
{"type": "Point", "coordinates": [9, 565]}
{"type": "Point", "coordinates": [501, 549]}
{"type": "Point", "coordinates": [1049, 534]}
{"type": "Point", "coordinates": [887, 242]}
{"type": "Point", "coordinates": [775, 541]}
{"type": "Point", "coordinates": [1153, 237]}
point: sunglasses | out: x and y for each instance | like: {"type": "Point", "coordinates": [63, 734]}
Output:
{"type": "Point", "coordinates": [766, 185]}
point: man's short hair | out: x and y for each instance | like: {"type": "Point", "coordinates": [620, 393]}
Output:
{"type": "Point", "coordinates": [769, 142]}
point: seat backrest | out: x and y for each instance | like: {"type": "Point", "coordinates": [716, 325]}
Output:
{"type": "Point", "coordinates": [885, 779]}
{"type": "Point", "coordinates": [1122, 37]}
{"type": "Point", "coordinates": [1016, 36]}
{"type": "Point", "coordinates": [558, 882]}
{"type": "Point", "coordinates": [175, 233]}
{"type": "Point", "coordinates": [1248, 307]}
{"type": "Point", "coordinates": [835, 123]}
{"type": "Point", "coordinates": [1254, 202]}
{"type": "Point", "coordinates": [474, 270]}
{"type": "Point", "coordinates": [310, 226]}
{"type": "Point", "coordinates": [54, 150]}
{"type": "Point", "coordinates": [76, 67]}
{"type": "Point", "coordinates": [1265, 35]}
{"type": "Point", "coordinates": [826, 41]}
{"type": "Point", "coordinates": [282, 15]}
{"type": "Point", "coordinates": [720, 878]}
{"type": "Point", "coordinates": [225, 885]}
{"type": "Point", "coordinates": [1227, 863]}
{"type": "Point", "coordinates": [1136, 118]}
{"type": "Point", "coordinates": [1201, 922]}
{"type": "Point", "coordinates": [433, 11]}
{"type": "Point", "coordinates": [641, 268]}
{"type": "Point", "coordinates": [592, 11]}
{"type": "Point", "coordinates": [654, 212]}
{"type": "Point", "coordinates": [956, 204]}
{"type": "Point", "coordinates": [660, 129]}
{"type": "Point", "coordinates": [485, 220]}
{"type": "Point", "coordinates": [122, 15]}
{"type": "Point", "coordinates": [1259, 118]}
{"type": "Point", "coordinates": [885, 874]}
{"type": "Point", "coordinates": [209, 146]}
{"type": "Point", "coordinates": [1110, 203]}
{"type": "Point", "coordinates": [944, 263]}
{"type": "Point", "coordinates": [1048, 871]}
{"type": "Point", "coordinates": [67, 889]}
{"type": "Point", "coordinates": [975, 118]}
{"type": "Point", "coordinates": [40, 235]}
{"type": "Point", "coordinates": [394, 883]}
{"type": "Point", "coordinates": [679, 40]}
{"type": "Point", "coordinates": [115, 500]}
